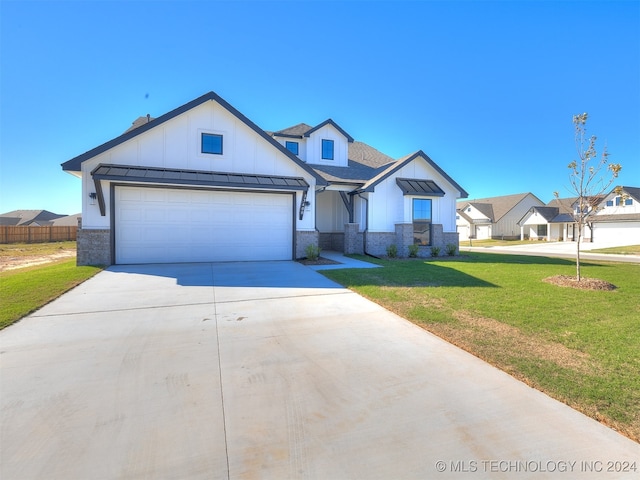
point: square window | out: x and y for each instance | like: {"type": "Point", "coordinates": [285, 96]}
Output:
{"type": "Point", "coordinates": [541, 230]}
{"type": "Point", "coordinates": [211, 143]}
{"type": "Point", "coordinates": [421, 221]}
{"type": "Point", "coordinates": [609, 203]}
{"type": "Point", "coordinates": [628, 201]}
{"type": "Point", "coordinates": [327, 149]}
{"type": "Point", "coordinates": [292, 147]}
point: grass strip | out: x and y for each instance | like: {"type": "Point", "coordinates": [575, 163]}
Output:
{"type": "Point", "coordinates": [26, 290]}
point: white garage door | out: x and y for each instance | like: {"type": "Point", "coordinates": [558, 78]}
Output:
{"type": "Point", "coordinates": [161, 225]}
{"type": "Point", "coordinates": [618, 233]}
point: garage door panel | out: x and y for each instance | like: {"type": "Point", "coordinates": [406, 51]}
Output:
{"type": "Point", "coordinates": [156, 225]}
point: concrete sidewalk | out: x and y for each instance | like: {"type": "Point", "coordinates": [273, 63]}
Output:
{"type": "Point", "coordinates": [558, 249]}
{"type": "Point", "coordinates": [268, 370]}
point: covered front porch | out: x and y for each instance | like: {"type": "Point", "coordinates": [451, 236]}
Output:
{"type": "Point", "coordinates": [340, 219]}
{"type": "Point", "coordinates": [550, 232]}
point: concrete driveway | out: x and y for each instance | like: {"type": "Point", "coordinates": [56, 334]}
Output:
{"type": "Point", "coordinates": [268, 370]}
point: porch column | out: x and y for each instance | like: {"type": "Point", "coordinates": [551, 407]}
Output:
{"type": "Point", "coordinates": [353, 239]}
{"type": "Point", "coordinates": [521, 232]}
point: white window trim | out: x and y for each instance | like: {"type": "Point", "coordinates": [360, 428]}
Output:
{"type": "Point", "coordinates": [226, 144]}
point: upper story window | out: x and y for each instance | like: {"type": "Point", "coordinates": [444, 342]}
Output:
{"type": "Point", "coordinates": [327, 149]}
{"type": "Point", "coordinates": [292, 147]}
{"type": "Point", "coordinates": [618, 201]}
{"type": "Point", "coordinates": [628, 201]}
{"type": "Point", "coordinates": [211, 143]}
{"type": "Point", "coordinates": [609, 203]}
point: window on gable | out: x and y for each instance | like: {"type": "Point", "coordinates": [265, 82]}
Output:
{"type": "Point", "coordinates": [211, 143]}
{"type": "Point", "coordinates": [618, 201]}
{"type": "Point", "coordinates": [327, 149]}
{"type": "Point", "coordinates": [292, 147]}
{"type": "Point", "coordinates": [421, 221]}
{"type": "Point", "coordinates": [609, 203]}
{"type": "Point", "coordinates": [628, 201]}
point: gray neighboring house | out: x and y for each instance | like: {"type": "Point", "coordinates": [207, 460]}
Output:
{"type": "Point", "coordinates": [29, 218]}
{"type": "Point", "coordinates": [494, 217]}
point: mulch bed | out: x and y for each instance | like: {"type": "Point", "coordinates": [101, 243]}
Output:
{"type": "Point", "coordinates": [583, 284]}
{"type": "Point", "coordinates": [319, 261]}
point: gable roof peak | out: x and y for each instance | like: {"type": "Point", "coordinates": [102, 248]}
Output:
{"type": "Point", "coordinates": [329, 121]}
{"type": "Point", "coordinates": [74, 165]}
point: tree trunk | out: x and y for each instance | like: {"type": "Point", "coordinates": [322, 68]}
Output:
{"type": "Point", "coordinates": [578, 251]}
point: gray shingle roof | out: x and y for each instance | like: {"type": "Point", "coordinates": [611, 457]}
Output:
{"type": "Point", "coordinates": [625, 217]}
{"type": "Point", "coordinates": [356, 173]}
{"type": "Point", "coordinates": [297, 131]}
{"type": "Point", "coordinates": [564, 205]}
{"type": "Point", "coordinates": [633, 192]}
{"type": "Point", "coordinates": [548, 213]}
{"type": "Point", "coordinates": [496, 207]}
{"type": "Point", "coordinates": [27, 217]}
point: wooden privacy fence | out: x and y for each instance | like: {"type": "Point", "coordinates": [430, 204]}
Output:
{"type": "Point", "coordinates": [10, 234]}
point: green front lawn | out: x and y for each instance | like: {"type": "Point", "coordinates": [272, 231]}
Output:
{"type": "Point", "coordinates": [581, 347]}
{"type": "Point", "coordinates": [627, 250]}
{"type": "Point", "coordinates": [25, 290]}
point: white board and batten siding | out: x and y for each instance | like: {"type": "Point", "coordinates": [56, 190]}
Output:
{"type": "Point", "coordinates": [176, 144]}
{"type": "Point", "coordinates": [392, 207]}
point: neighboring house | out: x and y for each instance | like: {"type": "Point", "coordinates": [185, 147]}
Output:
{"type": "Point", "coordinates": [68, 221]}
{"type": "Point", "coordinates": [552, 222]}
{"type": "Point", "coordinates": [614, 217]}
{"type": "Point", "coordinates": [494, 217]}
{"type": "Point", "coordinates": [29, 218]}
{"type": "Point", "coordinates": [204, 183]}
{"type": "Point", "coordinates": [617, 217]}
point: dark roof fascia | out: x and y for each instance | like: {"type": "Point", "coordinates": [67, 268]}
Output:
{"type": "Point", "coordinates": [335, 125]}
{"type": "Point", "coordinates": [370, 186]}
{"type": "Point", "coordinates": [74, 163]}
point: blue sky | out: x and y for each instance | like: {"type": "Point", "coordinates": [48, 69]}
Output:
{"type": "Point", "coordinates": [486, 89]}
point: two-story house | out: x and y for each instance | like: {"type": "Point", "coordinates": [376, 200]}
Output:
{"type": "Point", "coordinates": [204, 183]}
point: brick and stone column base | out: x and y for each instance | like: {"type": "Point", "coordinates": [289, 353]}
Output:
{"type": "Point", "coordinates": [304, 238]}
{"type": "Point", "coordinates": [404, 238]}
{"type": "Point", "coordinates": [94, 247]}
{"type": "Point", "coordinates": [353, 239]}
